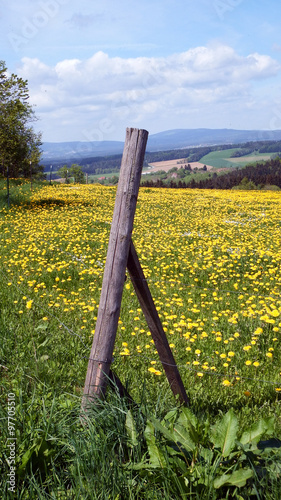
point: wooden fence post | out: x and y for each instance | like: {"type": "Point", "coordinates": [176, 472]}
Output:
{"type": "Point", "coordinates": [8, 186]}
{"type": "Point", "coordinates": [115, 266]}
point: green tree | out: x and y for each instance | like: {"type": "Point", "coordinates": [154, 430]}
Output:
{"type": "Point", "coordinates": [63, 172]}
{"type": "Point", "coordinates": [76, 171]}
{"type": "Point", "coordinates": [246, 184]}
{"type": "Point", "coordinates": [19, 144]}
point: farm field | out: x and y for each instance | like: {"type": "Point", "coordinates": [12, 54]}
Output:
{"type": "Point", "coordinates": [214, 160]}
{"type": "Point", "coordinates": [169, 164]}
{"type": "Point", "coordinates": [213, 264]}
{"type": "Point", "coordinates": [251, 158]}
{"type": "Point", "coordinates": [224, 159]}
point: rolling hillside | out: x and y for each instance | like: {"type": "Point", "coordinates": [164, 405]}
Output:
{"type": "Point", "coordinates": [170, 139]}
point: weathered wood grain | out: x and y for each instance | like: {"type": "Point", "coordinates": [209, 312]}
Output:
{"type": "Point", "coordinates": [115, 267]}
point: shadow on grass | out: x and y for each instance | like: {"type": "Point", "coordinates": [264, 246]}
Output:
{"type": "Point", "coordinates": [21, 194]}
{"type": "Point", "coordinates": [46, 202]}
{"type": "Point", "coordinates": [43, 203]}
{"type": "Point", "coordinates": [21, 201]}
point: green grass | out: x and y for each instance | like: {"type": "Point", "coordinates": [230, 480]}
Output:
{"type": "Point", "coordinates": [20, 191]}
{"type": "Point", "coordinates": [214, 273]}
{"type": "Point", "coordinates": [112, 454]}
{"type": "Point", "coordinates": [222, 159]}
{"type": "Point", "coordinates": [219, 159]}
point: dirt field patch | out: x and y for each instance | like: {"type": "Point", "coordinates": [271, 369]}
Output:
{"type": "Point", "coordinates": [169, 164]}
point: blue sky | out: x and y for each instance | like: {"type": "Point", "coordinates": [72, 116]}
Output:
{"type": "Point", "coordinates": [95, 68]}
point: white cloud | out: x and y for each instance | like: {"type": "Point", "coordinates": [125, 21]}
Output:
{"type": "Point", "coordinates": [83, 93]}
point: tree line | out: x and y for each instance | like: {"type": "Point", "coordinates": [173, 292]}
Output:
{"type": "Point", "coordinates": [254, 176]}
{"type": "Point", "coordinates": [105, 164]}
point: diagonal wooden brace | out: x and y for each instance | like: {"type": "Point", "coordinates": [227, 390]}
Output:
{"type": "Point", "coordinates": [155, 325]}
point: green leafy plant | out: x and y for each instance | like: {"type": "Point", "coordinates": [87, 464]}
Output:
{"type": "Point", "coordinates": [207, 457]}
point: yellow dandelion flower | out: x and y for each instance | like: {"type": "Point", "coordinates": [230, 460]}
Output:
{"type": "Point", "coordinates": [270, 321]}
{"type": "Point", "coordinates": [226, 383]}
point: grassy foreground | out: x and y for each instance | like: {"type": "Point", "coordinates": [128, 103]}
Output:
{"type": "Point", "coordinates": [212, 260]}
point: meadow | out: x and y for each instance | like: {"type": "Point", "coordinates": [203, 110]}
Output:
{"type": "Point", "coordinates": [212, 260]}
{"type": "Point", "coordinates": [223, 159]}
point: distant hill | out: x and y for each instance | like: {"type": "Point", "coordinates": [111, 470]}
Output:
{"type": "Point", "coordinates": [170, 139]}
{"type": "Point", "coordinates": [76, 150]}
{"type": "Point", "coordinates": [181, 138]}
